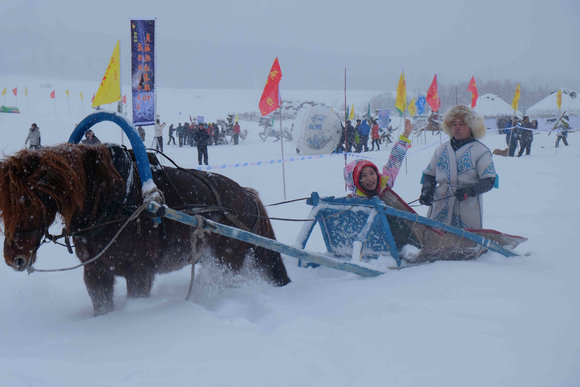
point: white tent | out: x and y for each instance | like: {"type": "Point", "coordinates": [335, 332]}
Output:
{"type": "Point", "coordinates": [491, 106]}
{"type": "Point", "coordinates": [548, 106]}
{"type": "Point", "coordinates": [547, 109]}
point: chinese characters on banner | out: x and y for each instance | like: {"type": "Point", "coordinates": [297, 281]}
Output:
{"type": "Point", "coordinates": [142, 71]}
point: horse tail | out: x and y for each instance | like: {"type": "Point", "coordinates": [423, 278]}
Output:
{"type": "Point", "coordinates": [270, 261]}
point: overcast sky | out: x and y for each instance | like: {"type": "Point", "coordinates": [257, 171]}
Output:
{"type": "Point", "coordinates": [228, 43]}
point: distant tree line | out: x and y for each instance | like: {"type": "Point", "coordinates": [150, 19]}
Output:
{"type": "Point", "coordinates": [451, 95]}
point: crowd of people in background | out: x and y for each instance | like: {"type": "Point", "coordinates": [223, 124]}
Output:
{"type": "Point", "coordinates": [521, 133]}
{"type": "Point", "coordinates": [353, 139]}
{"type": "Point", "coordinates": [185, 133]}
{"type": "Point", "coordinates": [356, 138]}
{"type": "Point", "coordinates": [200, 135]}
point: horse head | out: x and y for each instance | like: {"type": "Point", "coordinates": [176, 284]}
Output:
{"type": "Point", "coordinates": [26, 207]}
{"type": "Point", "coordinates": [35, 185]}
{"type": "Point", "coordinates": [20, 247]}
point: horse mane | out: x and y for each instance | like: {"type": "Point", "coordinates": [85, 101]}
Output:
{"type": "Point", "coordinates": [65, 173]}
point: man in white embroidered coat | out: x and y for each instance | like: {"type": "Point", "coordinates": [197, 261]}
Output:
{"type": "Point", "coordinates": [459, 172]}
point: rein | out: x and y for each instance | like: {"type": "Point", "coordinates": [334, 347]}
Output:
{"type": "Point", "coordinates": [443, 198]}
{"type": "Point", "coordinates": [286, 201]}
{"type": "Point", "coordinates": [133, 216]}
{"type": "Point", "coordinates": [66, 234]}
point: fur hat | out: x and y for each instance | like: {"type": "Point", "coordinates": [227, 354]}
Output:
{"type": "Point", "coordinates": [471, 118]}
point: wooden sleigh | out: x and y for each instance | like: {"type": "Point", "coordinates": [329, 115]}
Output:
{"type": "Point", "coordinates": [363, 230]}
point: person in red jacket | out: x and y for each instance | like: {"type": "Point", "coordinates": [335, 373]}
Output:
{"type": "Point", "coordinates": [375, 136]}
{"type": "Point", "coordinates": [236, 132]}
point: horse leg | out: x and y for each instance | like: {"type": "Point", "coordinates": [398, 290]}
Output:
{"type": "Point", "coordinates": [267, 262]}
{"type": "Point", "coordinates": [100, 285]}
{"type": "Point", "coordinates": [139, 283]}
{"type": "Point", "coordinates": [271, 265]}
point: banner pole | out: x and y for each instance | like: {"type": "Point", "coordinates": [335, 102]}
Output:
{"type": "Point", "coordinates": [282, 147]}
{"type": "Point", "coordinates": [345, 119]}
{"type": "Point", "coordinates": [120, 103]}
{"type": "Point", "coordinates": [345, 128]}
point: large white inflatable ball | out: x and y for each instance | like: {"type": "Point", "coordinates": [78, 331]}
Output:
{"type": "Point", "coordinates": [316, 131]}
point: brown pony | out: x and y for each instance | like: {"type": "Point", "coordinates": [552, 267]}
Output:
{"type": "Point", "coordinates": [94, 189]}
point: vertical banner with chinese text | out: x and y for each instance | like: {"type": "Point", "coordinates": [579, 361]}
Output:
{"type": "Point", "coordinates": [143, 71]}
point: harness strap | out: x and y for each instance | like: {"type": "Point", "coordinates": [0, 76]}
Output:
{"type": "Point", "coordinates": [230, 216]}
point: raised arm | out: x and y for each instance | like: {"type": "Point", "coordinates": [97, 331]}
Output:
{"type": "Point", "coordinates": [391, 169]}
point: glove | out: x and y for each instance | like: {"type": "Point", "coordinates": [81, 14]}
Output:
{"type": "Point", "coordinates": [426, 199]}
{"type": "Point", "coordinates": [462, 193]}
{"type": "Point", "coordinates": [427, 190]}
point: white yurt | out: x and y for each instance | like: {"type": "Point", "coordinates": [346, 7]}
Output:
{"type": "Point", "coordinates": [546, 110]}
{"type": "Point", "coordinates": [491, 107]}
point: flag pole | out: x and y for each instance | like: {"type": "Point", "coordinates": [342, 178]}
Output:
{"type": "Point", "coordinates": [120, 103]}
{"type": "Point", "coordinates": [406, 158]}
{"type": "Point", "coordinates": [345, 119]}
{"type": "Point", "coordinates": [282, 146]}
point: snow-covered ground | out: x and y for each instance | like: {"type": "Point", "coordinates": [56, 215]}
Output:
{"type": "Point", "coordinates": [490, 322]}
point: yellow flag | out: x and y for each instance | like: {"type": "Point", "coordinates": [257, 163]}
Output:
{"type": "Point", "coordinates": [26, 91]}
{"type": "Point", "coordinates": [237, 117]}
{"type": "Point", "coordinates": [81, 95]}
{"type": "Point", "coordinates": [558, 99]}
{"type": "Point", "coordinates": [412, 108]}
{"type": "Point", "coordinates": [110, 89]}
{"type": "Point", "coordinates": [401, 94]}
{"type": "Point", "coordinates": [351, 113]}
{"type": "Point", "coordinates": [4, 91]}
{"type": "Point", "coordinates": [516, 100]}
{"type": "Point", "coordinates": [66, 92]}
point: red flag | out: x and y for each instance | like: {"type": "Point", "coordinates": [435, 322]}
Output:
{"type": "Point", "coordinates": [15, 91]}
{"type": "Point", "coordinates": [125, 99]}
{"type": "Point", "coordinates": [52, 94]}
{"type": "Point", "coordinates": [270, 100]}
{"type": "Point", "coordinates": [473, 88]}
{"type": "Point", "coordinates": [433, 96]}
